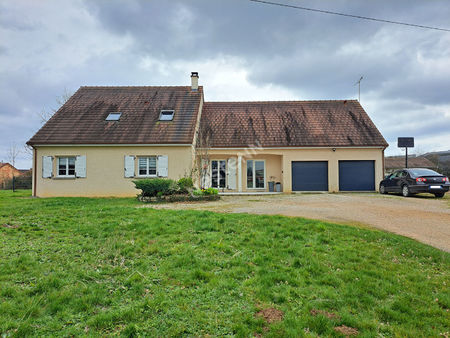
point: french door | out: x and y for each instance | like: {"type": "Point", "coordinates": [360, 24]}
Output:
{"type": "Point", "coordinates": [218, 173]}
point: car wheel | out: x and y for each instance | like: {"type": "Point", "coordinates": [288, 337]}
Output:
{"type": "Point", "coordinates": [439, 194]}
{"type": "Point", "coordinates": [382, 189]}
{"type": "Point", "coordinates": [405, 191]}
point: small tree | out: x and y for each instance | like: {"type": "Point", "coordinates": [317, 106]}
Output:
{"type": "Point", "coordinates": [13, 152]}
{"type": "Point", "coordinates": [202, 145]}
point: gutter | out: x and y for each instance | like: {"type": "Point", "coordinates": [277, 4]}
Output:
{"type": "Point", "coordinates": [34, 171]}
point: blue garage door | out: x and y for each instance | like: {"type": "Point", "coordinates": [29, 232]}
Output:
{"type": "Point", "coordinates": [310, 176]}
{"type": "Point", "coordinates": [356, 175]}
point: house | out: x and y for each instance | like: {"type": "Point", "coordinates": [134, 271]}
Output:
{"type": "Point", "coordinates": [7, 171]}
{"type": "Point", "coordinates": [103, 138]}
{"type": "Point", "coordinates": [393, 163]}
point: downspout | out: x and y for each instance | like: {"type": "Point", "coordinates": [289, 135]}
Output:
{"type": "Point", "coordinates": [34, 171]}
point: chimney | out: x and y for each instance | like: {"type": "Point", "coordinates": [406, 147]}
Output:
{"type": "Point", "coordinates": [194, 81]}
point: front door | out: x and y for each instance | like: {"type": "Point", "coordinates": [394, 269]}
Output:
{"type": "Point", "coordinates": [218, 173]}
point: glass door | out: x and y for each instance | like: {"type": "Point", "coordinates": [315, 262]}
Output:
{"type": "Point", "coordinates": [218, 173]}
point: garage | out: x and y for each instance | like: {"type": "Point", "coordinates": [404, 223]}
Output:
{"type": "Point", "coordinates": [356, 175]}
{"type": "Point", "coordinates": [309, 176]}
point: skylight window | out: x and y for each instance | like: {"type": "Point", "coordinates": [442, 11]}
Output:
{"type": "Point", "coordinates": [166, 115]}
{"type": "Point", "coordinates": [113, 116]}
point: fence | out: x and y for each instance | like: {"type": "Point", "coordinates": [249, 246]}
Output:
{"type": "Point", "coordinates": [20, 182]}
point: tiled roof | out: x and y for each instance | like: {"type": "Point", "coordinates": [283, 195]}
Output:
{"type": "Point", "coordinates": [289, 124]}
{"type": "Point", "coordinates": [398, 162]}
{"type": "Point", "coordinates": [230, 124]}
{"type": "Point", "coordinates": [82, 119]}
{"type": "Point", "coordinates": [4, 164]}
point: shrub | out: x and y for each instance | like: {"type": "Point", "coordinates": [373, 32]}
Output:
{"type": "Point", "coordinates": [210, 191]}
{"type": "Point", "coordinates": [185, 184]}
{"type": "Point", "coordinates": [197, 192]}
{"type": "Point", "coordinates": [156, 186]}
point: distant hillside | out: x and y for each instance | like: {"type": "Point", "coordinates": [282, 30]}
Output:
{"type": "Point", "coordinates": [441, 159]}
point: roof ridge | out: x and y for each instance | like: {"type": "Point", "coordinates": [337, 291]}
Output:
{"type": "Point", "coordinates": [282, 101]}
{"type": "Point", "coordinates": [95, 87]}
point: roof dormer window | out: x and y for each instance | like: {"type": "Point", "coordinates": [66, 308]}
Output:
{"type": "Point", "coordinates": [113, 116]}
{"type": "Point", "coordinates": [166, 115]}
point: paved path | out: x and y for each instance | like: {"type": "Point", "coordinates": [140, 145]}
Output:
{"type": "Point", "coordinates": [421, 217]}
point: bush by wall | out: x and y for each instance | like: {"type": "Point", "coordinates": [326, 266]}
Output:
{"type": "Point", "coordinates": [164, 189]}
{"type": "Point", "coordinates": [185, 184]}
{"type": "Point", "coordinates": [153, 187]}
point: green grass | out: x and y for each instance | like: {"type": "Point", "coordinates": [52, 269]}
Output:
{"type": "Point", "coordinates": [80, 266]}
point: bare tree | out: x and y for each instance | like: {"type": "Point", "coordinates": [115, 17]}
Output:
{"type": "Point", "coordinates": [28, 151]}
{"type": "Point", "coordinates": [46, 114]}
{"type": "Point", "coordinates": [201, 163]}
{"type": "Point", "coordinates": [12, 153]}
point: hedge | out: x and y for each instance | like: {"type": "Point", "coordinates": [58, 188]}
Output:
{"type": "Point", "coordinates": [153, 187]}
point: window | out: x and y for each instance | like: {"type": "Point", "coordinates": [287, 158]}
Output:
{"type": "Point", "coordinates": [166, 115]}
{"type": "Point", "coordinates": [256, 174]}
{"type": "Point", "coordinates": [66, 166]}
{"type": "Point", "coordinates": [422, 172]}
{"type": "Point", "coordinates": [147, 166]}
{"type": "Point", "coordinates": [113, 116]}
{"type": "Point", "coordinates": [218, 173]}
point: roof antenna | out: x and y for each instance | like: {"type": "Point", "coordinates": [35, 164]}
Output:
{"type": "Point", "coordinates": [359, 88]}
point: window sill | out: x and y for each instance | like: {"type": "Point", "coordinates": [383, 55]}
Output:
{"type": "Point", "coordinates": [64, 177]}
{"type": "Point", "coordinates": [147, 176]}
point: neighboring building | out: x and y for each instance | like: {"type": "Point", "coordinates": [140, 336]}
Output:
{"type": "Point", "coordinates": [393, 163]}
{"type": "Point", "coordinates": [7, 172]}
{"type": "Point", "coordinates": [105, 137]}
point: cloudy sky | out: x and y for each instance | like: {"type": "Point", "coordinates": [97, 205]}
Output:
{"type": "Point", "coordinates": [242, 51]}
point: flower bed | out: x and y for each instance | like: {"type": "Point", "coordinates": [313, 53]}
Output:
{"type": "Point", "coordinates": [179, 198]}
{"type": "Point", "coordinates": [167, 190]}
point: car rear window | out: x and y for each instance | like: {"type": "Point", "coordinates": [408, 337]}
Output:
{"type": "Point", "coordinates": [423, 172]}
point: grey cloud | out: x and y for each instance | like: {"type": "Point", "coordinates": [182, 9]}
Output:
{"type": "Point", "coordinates": [299, 50]}
{"type": "Point", "coordinates": [313, 55]}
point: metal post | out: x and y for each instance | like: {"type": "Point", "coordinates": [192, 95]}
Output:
{"type": "Point", "coordinates": [406, 158]}
{"type": "Point", "coordinates": [359, 91]}
{"type": "Point", "coordinates": [13, 183]}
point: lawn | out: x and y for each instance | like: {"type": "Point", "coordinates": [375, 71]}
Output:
{"type": "Point", "coordinates": [80, 266]}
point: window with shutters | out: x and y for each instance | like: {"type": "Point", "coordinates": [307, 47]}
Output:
{"type": "Point", "coordinates": [66, 166]}
{"type": "Point", "coordinates": [147, 166]}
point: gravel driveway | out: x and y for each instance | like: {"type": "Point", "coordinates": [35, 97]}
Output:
{"type": "Point", "coordinates": [421, 217]}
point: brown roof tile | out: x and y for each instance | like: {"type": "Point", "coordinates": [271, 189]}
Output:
{"type": "Point", "coordinates": [289, 123]}
{"type": "Point", "coordinates": [82, 119]}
